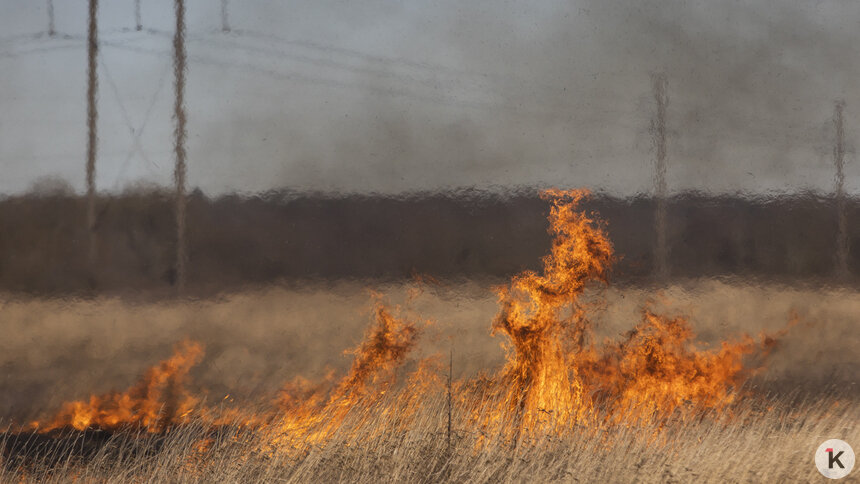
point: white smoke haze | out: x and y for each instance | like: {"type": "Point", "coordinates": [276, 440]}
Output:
{"type": "Point", "coordinates": [391, 97]}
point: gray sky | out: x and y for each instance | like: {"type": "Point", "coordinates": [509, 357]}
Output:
{"type": "Point", "coordinates": [394, 96]}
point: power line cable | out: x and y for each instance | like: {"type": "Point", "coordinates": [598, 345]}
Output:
{"type": "Point", "coordinates": [137, 147]}
{"type": "Point", "coordinates": [322, 62]}
{"type": "Point", "coordinates": [28, 37]}
{"type": "Point", "coordinates": [448, 100]}
{"type": "Point", "coordinates": [362, 55]}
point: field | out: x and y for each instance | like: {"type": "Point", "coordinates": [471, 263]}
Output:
{"type": "Point", "coordinates": [255, 341]}
{"type": "Point", "coordinates": [552, 375]}
{"type": "Point", "coordinates": [297, 243]}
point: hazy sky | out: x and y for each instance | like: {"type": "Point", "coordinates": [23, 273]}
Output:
{"type": "Point", "coordinates": [393, 96]}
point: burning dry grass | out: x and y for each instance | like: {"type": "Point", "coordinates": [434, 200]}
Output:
{"type": "Point", "coordinates": [157, 401]}
{"type": "Point", "coordinates": [562, 406]}
{"type": "Point", "coordinates": [766, 441]}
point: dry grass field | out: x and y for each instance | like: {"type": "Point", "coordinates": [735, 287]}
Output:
{"type": "Point", "coordinates": [752, 446]}
{"type": "Point", "coordinates": [552, 376]}
{"type": "Point", "coordinates": [58, 350]}
{"type": "Point", "coordinates": [55, 350]}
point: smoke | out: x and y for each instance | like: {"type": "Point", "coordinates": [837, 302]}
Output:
{"type": "Point", "coordinates": [390, 98]}
{"type": "Point", "coordinates": [562, 97]}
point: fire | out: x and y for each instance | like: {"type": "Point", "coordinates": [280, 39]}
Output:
{"type": "Point", "coordinates": [385, 347]}
{"type": "Point", "coordinates": [540, 381]}
{"type": "Point", "coordinates": [313, 410]}
{"type": "Point", "coordinates": [554, 379]}
{"type": "Point", "coordinates": [657, 368]}
{"type": "Point", "coordinates": [157, 401]}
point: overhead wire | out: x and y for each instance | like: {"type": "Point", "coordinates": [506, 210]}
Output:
{"type": "Point", "coordinates": [136, 133]}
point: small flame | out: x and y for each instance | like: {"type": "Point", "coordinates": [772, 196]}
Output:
{"type": "Point", "coordinates": [314, 410]}
{"type": "Point", "coordinates": [157, 401]}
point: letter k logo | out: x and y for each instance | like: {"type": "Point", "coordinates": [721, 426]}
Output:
{"type": "Point", "coordinates": [834, 459]}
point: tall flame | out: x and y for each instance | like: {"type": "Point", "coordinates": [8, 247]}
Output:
{"type": "Point", "coordinates": [309, 413]}
{"type": "Point", "coordinates": [541, 377]}
{"type": "Point", "coordinates": [553, 379]}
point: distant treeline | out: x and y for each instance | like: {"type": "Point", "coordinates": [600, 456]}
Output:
{"type": "Point", "coordinates": [236, 240]}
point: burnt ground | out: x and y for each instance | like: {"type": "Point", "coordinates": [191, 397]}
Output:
{"type": "Point", "coordinates": [33, 451]}
{"type": "Point", "coordinates": [25, 450]}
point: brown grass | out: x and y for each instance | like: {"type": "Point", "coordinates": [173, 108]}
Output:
{"type": "Point", "coordinates": [753, 446]}
{"type": "Point", "coordinates": [57, 350]}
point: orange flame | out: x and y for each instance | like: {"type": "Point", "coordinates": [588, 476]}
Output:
{"type": "Point", "coordinates": [309, 413]}
{"type": "Point", "coordinates": [541, 377]}
{"type": "Point", "coordinates": [552, 379]}
{"type": "Point", "coordinates": [657, 369]}
{"type": "Point", "coordinates": [157, 401]}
